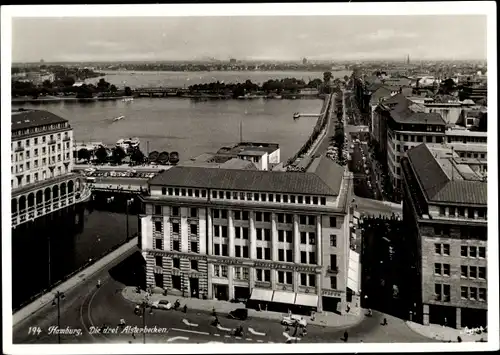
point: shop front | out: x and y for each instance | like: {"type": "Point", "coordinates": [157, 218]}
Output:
{"type": "Point", "coordinates": [260, 298]}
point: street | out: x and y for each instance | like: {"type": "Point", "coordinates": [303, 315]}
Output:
{"type": "Point", "coordinates": [87, 307]}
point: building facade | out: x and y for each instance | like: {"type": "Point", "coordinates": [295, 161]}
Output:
{"type": "Point", "coordinates": [42, 161]}
{"type": "Point", "coordinates": [445, 211]}
{"type": "Point", "coordinates": [276, 238]}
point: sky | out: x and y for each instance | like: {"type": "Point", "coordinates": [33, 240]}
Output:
{"type": "Point", "coordinates": [456, 37]}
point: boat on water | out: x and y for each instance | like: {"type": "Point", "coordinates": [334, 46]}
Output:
{"type": "Point", "coordinates": [174, 158]}
{"type": "Point", "coordinates": [126, 144]}
{"type": "Point", "coordinates": [128, 99]}
{"type": "Point", "coordinates": [296, 115]}
{"type": "Point", "coordinates": [118, 118]}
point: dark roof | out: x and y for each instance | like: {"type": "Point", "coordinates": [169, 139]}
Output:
{"type": "Point", "coordinates": [33, 118]}
{"type": "Point", "coordinates": [402, 113]}
{"type": "Point", "coordinates": [249, 180]}
{"type": "Point", "coordinates": [380, 93]}
{"type": "Point", "coordinates": [438, 187]}
{"type": "Point", "coordinates": [396, 99]}
{"type": "Point", "coordinates": [329, 171]}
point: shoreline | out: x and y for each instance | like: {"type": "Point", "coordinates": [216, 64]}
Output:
{"type": "Point", "coordinates": [192, 97]}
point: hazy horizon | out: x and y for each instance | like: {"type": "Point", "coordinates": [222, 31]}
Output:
{"type": "Point", "coordinates": [252, 38]}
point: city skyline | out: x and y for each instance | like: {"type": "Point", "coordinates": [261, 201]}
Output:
{"type": "Point", "coordinates": [435, 37]}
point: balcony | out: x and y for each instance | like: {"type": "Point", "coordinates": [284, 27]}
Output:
{"type": "Point", "coordinates": [65, 139]}
{"type": "Point", "coordinates": [19, 149]}
{"type": "Point", "coordinates": [51, 141]}
{"type": "Point", "coordinates": [332, 269]}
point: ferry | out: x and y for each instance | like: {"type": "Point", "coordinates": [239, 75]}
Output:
{"type": "Point", "coordinates": [128, 143]}
{"type": "Point", "coordinates": [118, 118]}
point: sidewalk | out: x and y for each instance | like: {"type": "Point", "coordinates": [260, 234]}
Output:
{"type": "Point", "coordinates": [325, 319]}
{"type": "Point", "coordinates": [439, 332]}
{"type": "Point", "coordinates": [72, 282]}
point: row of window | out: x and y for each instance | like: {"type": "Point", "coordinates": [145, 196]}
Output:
{"type": "Point", "coordinates": [471, 293]}
{"type": "Point", "coordinates": [20, 156]}
{"type": "Point", "coordinates": [36, 176]}
{"type": "Point", "coordinates": [20, 167]}
{"type": "Point", "coordinates": [248, 196]}
{"type": "Point", "coordinates": [467, 271]}
{"type": "Point", "coordinates": [470, 251]}
{"type": "Point", "coordinates": [460, 212]}
{"type": "Point", "coordinates": [31, 130]}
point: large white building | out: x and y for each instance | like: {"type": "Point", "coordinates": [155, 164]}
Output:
{"type": "Point", "coordinates": [42, 161]}
{"type": "Point", "coordinates": [277, 238]}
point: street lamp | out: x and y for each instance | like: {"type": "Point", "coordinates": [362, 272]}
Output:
{"type": "Point", "coordinates": [58, 296]}
{"type": "Point", "coordinates": [129, 202]}
{"type": "Point", "coordinates": [143, 306]}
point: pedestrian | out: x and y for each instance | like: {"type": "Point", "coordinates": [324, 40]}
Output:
{"type": "Point", "coordinates": [445, 322]}
{"type": "Point", "coordinates": [384, 322]}
{"type": "Point", "coordinates": [346, 336]}
{"type": "Point", "coordinates": [459, 339]}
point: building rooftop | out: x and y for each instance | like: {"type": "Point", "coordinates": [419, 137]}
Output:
{"type": "Point", "coordinates": [325, 180]}
{"type": "Point", "coordinates": [255, 146]}
{"type": "Point", "coordinates": [404, 112]}
{"type": "Point", "coordinates": [252, 152]}
{"type": "Point", "coordinates": [445, 178]}
{"type": "Point", "coordinates": [33, 118]}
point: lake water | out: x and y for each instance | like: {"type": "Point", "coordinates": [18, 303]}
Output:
{"type": "Point", "coordinates": [187, 126]}
{"type": "Point", "coordinates": [184, 79]}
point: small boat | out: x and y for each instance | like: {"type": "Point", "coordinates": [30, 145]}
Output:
{"type": "Point", "coordinates": [127, 99]}
{"type": "Point", "coordinates": [296, 116]}
{"type": "Point", "coordinates": [118, 118]}
{"type": "Point", "coordinates": [163, 158]}
{"type": "Point", "coordinates": [126, 144]}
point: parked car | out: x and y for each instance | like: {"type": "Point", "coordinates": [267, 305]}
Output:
{"type": "Point", "coordinates": [240, 313]}
{"type": "Point", "coordinates": [293, 320]}
{"type": "Point", "coordinates": [162, 304]}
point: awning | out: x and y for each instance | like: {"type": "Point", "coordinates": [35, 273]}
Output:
{"type": "Point", "coordinates": [259, 294]}
{"type": "Point", "coordinates": [353, 271]}
{"type": "Point", "coordinates": [284, 297]}
{"type": "Point", "coordinates": [303, 299]}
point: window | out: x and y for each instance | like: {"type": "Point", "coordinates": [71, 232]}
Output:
{"type": "Point", "coordinates": [281, 235]}
{"type": "Point", "coordinates": [175, 228]}
{"type": "Point", "coordinates": [267, 235]}
{"type": "Point", "coordinates": [312, 280]}
{"type": "Point", "coordinates": [437, 269]}
{"type": "Point", "coordinates": [464, 292]}
{"type": "Point", "coordinates": [312, 238]}
{"type": "Point", "coordinates": [196, 193]}
{"type": "Point", "coordinates": [193, 229]}
{"type": "Point", "coordinates": [158, 226]}
{"type": "Point", "coordinates": [315, 200]}
{"type": "Point", "coordinates": [158, 210]}
{"type": "Point", "coordinates": [446, 293]}
{"type": "Point", "coordinates": [216, 231]}
{"type": "Point", "coordinates": [245, 233]}
{"type": "Point", "coordinates": [245, 251]}
{"type": "Point", "coordinates": [463, 250]}
{"type": "Point", "coordinates": [308, 200]}
{"type": "Point", "coordinates": [183, 192]}
{"type": "Point", "coordinates": [446, 249]}
{"type": "Point", "coordinates": [216, 249]}
{"type": "Point", "coordinates": [255, 197]}
{"type": "Point", "coordinates": [223, 214]}
{"type": "Point", "coordinates": [259, 253]}
{"type": "Point", "coordinates": [214, 194]}
{"type": "Point", "coordinates": [323, 200]}
{"type": "Point", "coordinates": [281, 254]}
{"type": "Point", "coordinates": [333, 282]}
{"type": "Point", "coordinates": [271, 197]}
{"type": "Point", "coordinates": [175, 211]}
{"type": "Point", "coordinates": [333, 261]}
{"type": "Point", "coordinates": [302, 219]}
{"type": "Point", "coordinates": [289, 218]}
{"type": "Point", "coordinates": [303, 279]}
{"type": "Point", "coordinates": [482, 272]}
{"type": "Point", "coordinates": [473, 272]}
{"type": "Point", "coordinates": [158, 261]}
{"type": "Point", "coordinates": [176, 245]}
{"type": "Point", "coordinates": [300, 199]}
{"type": "Point", "coordinates": [482, 252]}
{"type": "Point", "coordinates": [442, 211]}
{"type": "Point", "coordinates": [472, 252]}
{"type": "Point", "coordinates": [303, 237]}
{"type": "Point", "coordinates": [235, 195]}
{"type": "Point", "coordinates": [333, 222]}
{"type": "Point", "coordinates": [263, 197]}
{"type": "Point", "coordinates": [158, 243]}
{"type": "Point", "coordinates": [194, 264]}
{"type": "Point", "coordinates": [289, 255]}
{"type": "Point", "coordinates": [216, 213]}
{"type": "Point", "coordinates": [259, 233]}
{"type": "Point", "coordinates": [333, 240]}
{"type": "Point", "coordinates": [446, 269]}
{"type": "Point", "coordinates": [437, 292]}
{"type": "Point", "coordinates": [312, 257]}
{"type": "Point", "coordinates": [281, 277]}
{"type": "Point", "coordinates": [289, 236]}
{"type": "Point", "coordinates": [281, 217]}
{"type": "Point", "coordinates": [292, 199]}
{"type": "Point", "coordinates": [224, 231]}
{"type": "Point", "coordinates": [437, 248]}
{"type": "Point", "coordinates": [163, 190]}
{"type": "Point", "coordinates": [237, 215]}
{"type": "Point", "coordinates": [464, 271]}
{"type": "Point", "coordinates": [177, 263]}
{"type": "Point", "coordinates": [473, 293]}
{"type": "Point", "coordinates": [237, 232]}
{"type": "Point", "coordinates": [311, 220]}
{"type": "Point", "coordinates": [303, 257]}
{"type": "Point", "coordinates": [237, 251]}
{"type": "Point", "coordinates": [245, 216]}
{"type": "Point", "coordinates": [267, 216]}
{"type": "Point", "coordinates": [224, 250]}
{"type": "Point", "coordinates": [267, 253]}
{"type": "Point", "coordinates": [194, 212]}
{"type": "Point", "coordinates": [278, 198]}
{"type": "Point", "coordinates": [285, 198]}
{"type": "Point", "coordinates": [194, 247]}
{"type": "Point", "coordinates": [258, 216]}
{"type": "Point", "coordinates": [482, 294]}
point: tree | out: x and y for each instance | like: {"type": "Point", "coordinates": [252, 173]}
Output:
{"type": "Point", "coordinates": [327, 76]}
{"type": "Point", "coordinates": [447, 86]}
{"type": "Point", "coordinates": [47, 84]}
{"type": "Point", "coordinates": [113, 88]}
{"type": "Point", "coordinates": [128, 91]}
{"type": "Point", "coordinates": [117, 155]}
{"type": "Point", "coordinates": [101, 155]}
{"type": "Point", "coordinates": [68, 81]}
{"type": "Point", "coordinates": [137, 156]}
{"type": "Point", "coordinates": [84, 92]}
{"type": "Point", "coordinates": [103, 85]}
{"type": "Point", "coordinates": [84, 154]}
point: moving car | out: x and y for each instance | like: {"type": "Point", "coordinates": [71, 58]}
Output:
{"type": "Point", "coordinates": [162, 304]}
{"type": "Point", "coordinates": [293, 320]}
{"type": "Point", "coordinates": [240, 313]}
